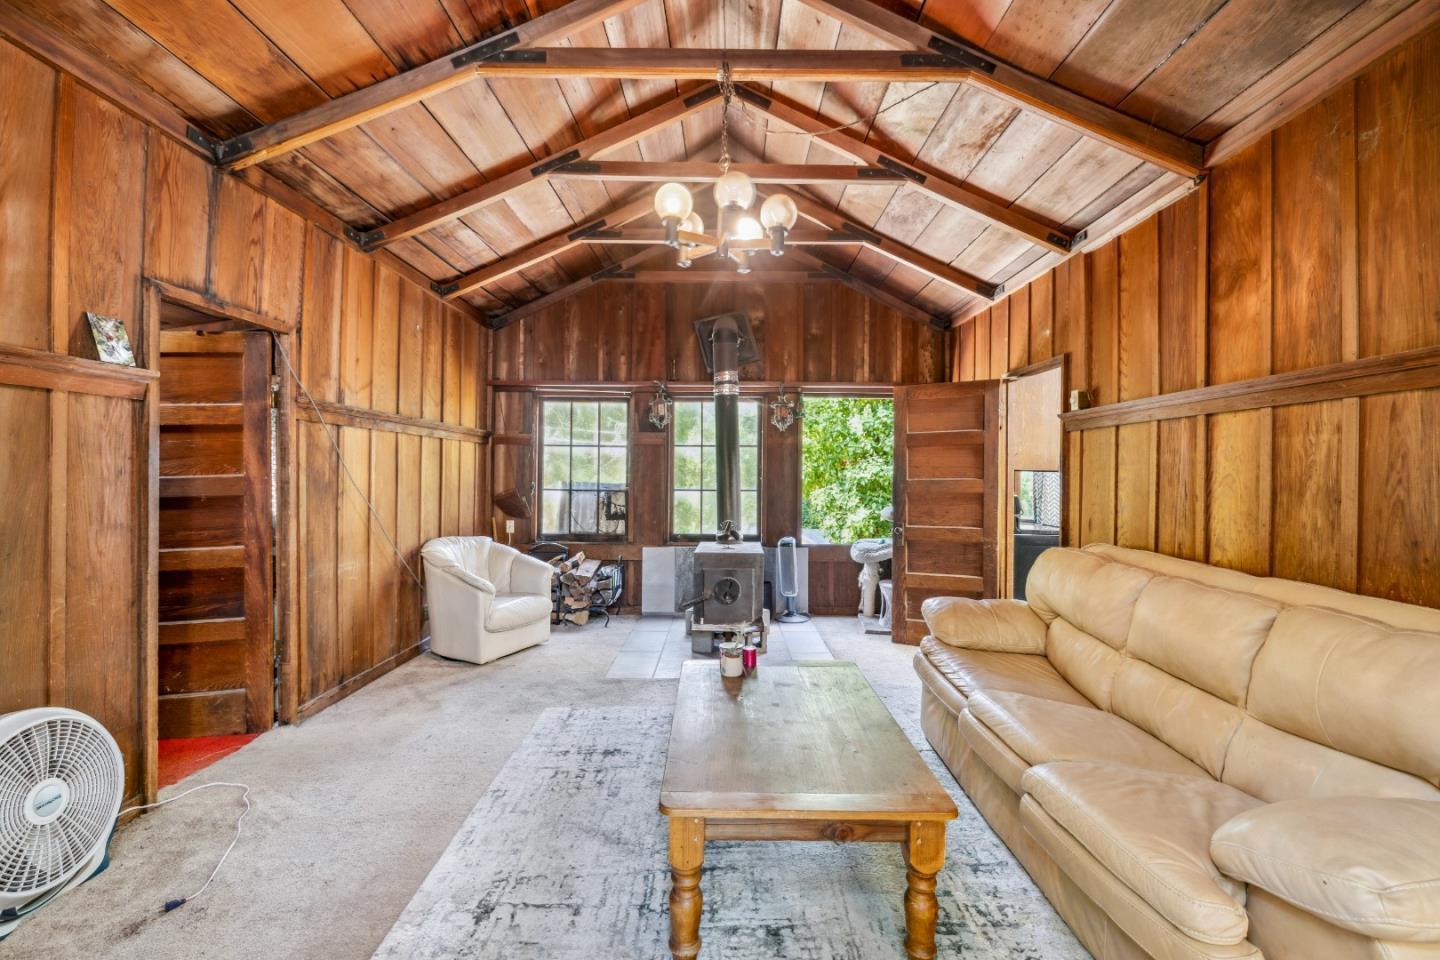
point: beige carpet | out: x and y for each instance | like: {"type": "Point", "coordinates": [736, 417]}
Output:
{"type": "Point", "coordinates": [351, 809]}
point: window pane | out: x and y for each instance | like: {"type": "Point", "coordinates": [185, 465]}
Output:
{"type": "Point", "coordinates": [707, 468]}
{"type": "Point", "coordinates": [557, 421]}
{"type": "Point", "coordinates": [687, 513]}
{"type": "Point", "coordinates": [555, 513]}
{"type": "Point", "coordinates": [709, 521]}
{"type": "Point", "coordinates": [687, 468]}
{"type": "Point", "coordinates": [847, 465]}
{"type": "Point", "coordinates": [584, 468]}
{"type": "Point", "coordinates": [583, 513]}
{"type": "Point", "coordinates": [707, 422]}
{"type": "Point", "coordinates": [612, 466]}
{"type": "Point", "coordinates": [749, 422]}
{"type": "Point", "coordinates": [687, 424]}
{"type": "Point", "coordinates": [750, 514]}
{"type": "Point", "coordinates": [612, 423]}
{"type": "Point", "coordinates": [749, 468]}
{"type": "Point", "coordinates": [557, 467]}
{"type": "Point", "coordinates": [585, 425]}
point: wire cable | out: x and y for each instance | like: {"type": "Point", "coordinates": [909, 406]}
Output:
{"type": "Point", "coordinates": [245, 796]}
{"type": "Point", "coordinates": [330, 435]}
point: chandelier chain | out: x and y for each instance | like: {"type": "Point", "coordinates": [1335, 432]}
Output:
{"type": "Point", "coordinates": [727, 94]}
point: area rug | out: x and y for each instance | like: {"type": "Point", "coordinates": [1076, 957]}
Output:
{"type": "Point", "coordinates": [564, 859]}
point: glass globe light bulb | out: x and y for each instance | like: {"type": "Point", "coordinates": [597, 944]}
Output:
{"type": "Point", "coordinates": [748, 228]}
{"type": "Point", "coordinates": [778, 211]}
{"type": "Point", "coordinates": [693, 223]}
{"type": "Point", "coordinates": [734, 189]}
{"type": "Point", "coordinates": [673, 201]}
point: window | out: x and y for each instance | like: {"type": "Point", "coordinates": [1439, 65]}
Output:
{"type": "Point", "coordinates": [583, 469]}
{"type": "Point", "coordinates": [693, 510]}
{"type": "Point", "coordinates": [847, 464]}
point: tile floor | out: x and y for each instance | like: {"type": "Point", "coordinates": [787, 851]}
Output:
{"type": "Point", "coordinates": [657, 646]}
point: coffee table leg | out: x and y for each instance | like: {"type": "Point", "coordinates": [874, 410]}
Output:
{"type": "Point", "coordinates": [687, 854]}
{"type": "Point", "coordinates": [924, 856]}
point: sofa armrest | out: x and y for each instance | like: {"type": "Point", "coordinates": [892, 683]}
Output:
{"type": "Point", "coordinates": [1368, 864]}
{"type": "Point", "coordinates": [531, 575]}
{"type": "Point", "coordinates": [1005, 626]}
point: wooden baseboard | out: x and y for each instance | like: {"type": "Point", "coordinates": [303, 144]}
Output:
{"type": "Point", "coordinates": [336, 694]}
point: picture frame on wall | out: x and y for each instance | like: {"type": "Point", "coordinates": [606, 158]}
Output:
{"type": "Point", "coordinates": [112, 342]}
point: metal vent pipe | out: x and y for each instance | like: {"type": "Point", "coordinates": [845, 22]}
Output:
{"type": "Point", "coordinates": [725, 347]}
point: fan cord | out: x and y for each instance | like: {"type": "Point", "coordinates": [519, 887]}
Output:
{"type": "Point", "coordinates": [245, 796]}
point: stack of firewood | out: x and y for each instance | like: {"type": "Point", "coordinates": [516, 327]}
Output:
{"type": "Point", "coordinates": [575, 578]}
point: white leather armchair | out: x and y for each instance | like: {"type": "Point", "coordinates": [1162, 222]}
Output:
{"type": "Point", "coordinates": [486, 599]}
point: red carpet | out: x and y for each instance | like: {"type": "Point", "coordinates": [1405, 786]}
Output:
{"type": "Point", "coordinates": [180, 758]}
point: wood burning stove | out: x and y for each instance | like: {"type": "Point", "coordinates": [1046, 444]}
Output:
{"type": "Point", "coordinates": [729, 573]}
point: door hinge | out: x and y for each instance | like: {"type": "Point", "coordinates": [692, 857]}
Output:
{"type": "Point", "coordinates": [278, 662]}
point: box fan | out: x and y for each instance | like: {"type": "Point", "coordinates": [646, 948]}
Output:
{"type": "Point", "coordinates": [61, 780]}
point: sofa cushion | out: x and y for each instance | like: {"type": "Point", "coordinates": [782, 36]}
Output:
{"type": "Point", "coordinates": [1094, 594]}
{"type": "Point", "coordinates": [1152, 830]}
{"type": "Point", "coordinates": [1005, 626]}
{"type": "Point", "coordinates": [1087, 664]}
{"type": "Point", "coordinates": [1196, 724]}
{"type": "Point", "coordinates": [1206, 636]}
{"type": "Point", "coordinates": [1042, 731]}
{"type": "Point", "coordinates": [1352, 684]}
{"type": "Point", "coordinates": [1366, 864]}
{"type": "Point", "coordinates": [511, 610]}
{"type": "Point", "coordinates": [971, 671]}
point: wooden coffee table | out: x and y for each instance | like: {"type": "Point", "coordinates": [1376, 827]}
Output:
{"type": "Point", "coordinates": [802, 751]}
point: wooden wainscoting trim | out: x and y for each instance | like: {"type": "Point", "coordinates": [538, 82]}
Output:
{"type": "Point", "coordinates": [338, 414]}
{"type": "Point", "coordinates": [23, 367]}
{"type": "Point", "coordinates": [1410, 370]}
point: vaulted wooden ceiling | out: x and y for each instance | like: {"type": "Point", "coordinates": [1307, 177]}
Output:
{"type": "Point", "coordinates": [521, 170]}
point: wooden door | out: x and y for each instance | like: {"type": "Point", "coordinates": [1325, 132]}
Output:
{"type": "Point", "coordinates": [948, 443]}
{"type": "Point", "coordinates": [216, 645]}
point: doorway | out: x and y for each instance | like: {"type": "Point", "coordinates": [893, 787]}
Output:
{"type": "Point", "coordinates": [216, 657]}
{"type": "Point", "coordinates": [1033, 438]}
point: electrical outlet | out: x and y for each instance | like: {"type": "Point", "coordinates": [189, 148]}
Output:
{"type": "Point", "coordinates": [509, 526]}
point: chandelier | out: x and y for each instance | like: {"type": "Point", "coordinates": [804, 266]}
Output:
{"type": "Point", "coordinates": [738, 232]}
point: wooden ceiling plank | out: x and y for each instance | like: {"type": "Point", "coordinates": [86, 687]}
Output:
{"type": "Point", "coordinates": [909, 256]}
{"type": "Point", "coordinates": [755, 277]}
{"type": "Point", "coordinates": [1120, 130]}
{"type": "Point", "coordinates": [1371, 30]}
{"type": "Point", "coordinates": [508, 184]}
{"type": "Point", "coordinates": [883, 297]}
{"type": "Point", "coordinates": [799, 237]}
{"type": "Point", "coordinates": [376, 100]}
{"type": "Point", "coordinates": [703, 171]}
{"type": "Point", "coordinates": [584, 283]}
{"type": "Point", "coordinates": [543, 250]}
{"type": "Point", "coordinates": [934, 183]}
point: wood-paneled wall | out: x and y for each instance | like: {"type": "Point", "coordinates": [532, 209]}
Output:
{"type": "Point", "coordinates": [1314, 246]}
{"type": "Point", "coordinates": [616, 333]}
{"type": "Point", "coordinates": [93, 204]}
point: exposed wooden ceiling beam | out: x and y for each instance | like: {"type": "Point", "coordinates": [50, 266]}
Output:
{"type": "Point", "coordinates": [543, 250]}
{"type": "Point", "coordinates": [403, 89]}
{"type": "Point", "coordinates": [501, 320]}
{"type": "Point", "coordinates": [861, 285]}
{"type": "Point", "coordinates": [650, 236]}
{"type": "Point", "coordinates": [703, 171]}
{"type": "Point", "coordinates": [697, 63]}
{"type": "Point", "coordinates": [1081, 114]}
{"type": "Point", "coordinates": [895, 250]}
{"type": "Point", "coordinates": [620, 135]}
{"type": "Point", "coordinates": [935, 184]}
{"type": "Point", "coordinates": [721, 276]}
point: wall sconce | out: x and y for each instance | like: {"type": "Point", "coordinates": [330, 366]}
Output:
{"type": "Point", "coordinates": [785, 410]}
{"type": "Point", "coordinates": [662, 405]}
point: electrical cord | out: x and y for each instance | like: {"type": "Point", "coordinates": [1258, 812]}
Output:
{"type": "Point", "coordinates": [245, 796]}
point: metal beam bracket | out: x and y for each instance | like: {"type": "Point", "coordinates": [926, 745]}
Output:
{"type": "Point", "coordinates": [759, 99]}
{"type": "Point", "coordinates": [895, 166]}
{"type": "Point", "coordinates": [540, 169]}
{"type": "Point", "coordinates": [700, 96]}
{"type": "Point", "coordinates": [613, 272]}
{"type": "Point", "coordinates": [961, 55]}
{"type": "Point", "coordinates": [444, 289]}
{"type": "Point", "coordinates": [486, 50]}
{"type": "Point", "coordinates": [877, 173]}
{"type": "Point", "coordinates": [991, 291]}
{"type": "Point", "coordinates": [227, 150]}
{"type": "Point", "coordinates": [590, 229]}
{"type": "Point", "coordinates": [850, 229]}
{"type": "Point", "coordinates": [580, 166]}
{"type": "Point", "coordinates": [364, 239]}
{"type": "Point", "coordinates": [207, 143]}
{"type": "Point", "coordinates": [1060, 240]}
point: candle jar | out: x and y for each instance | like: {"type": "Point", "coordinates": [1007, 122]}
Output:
{"type": "Point", "coordinates": [731, 663]}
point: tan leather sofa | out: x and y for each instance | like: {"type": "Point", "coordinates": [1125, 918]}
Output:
{"type": "Point", "coordinates": [1193, 763]}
